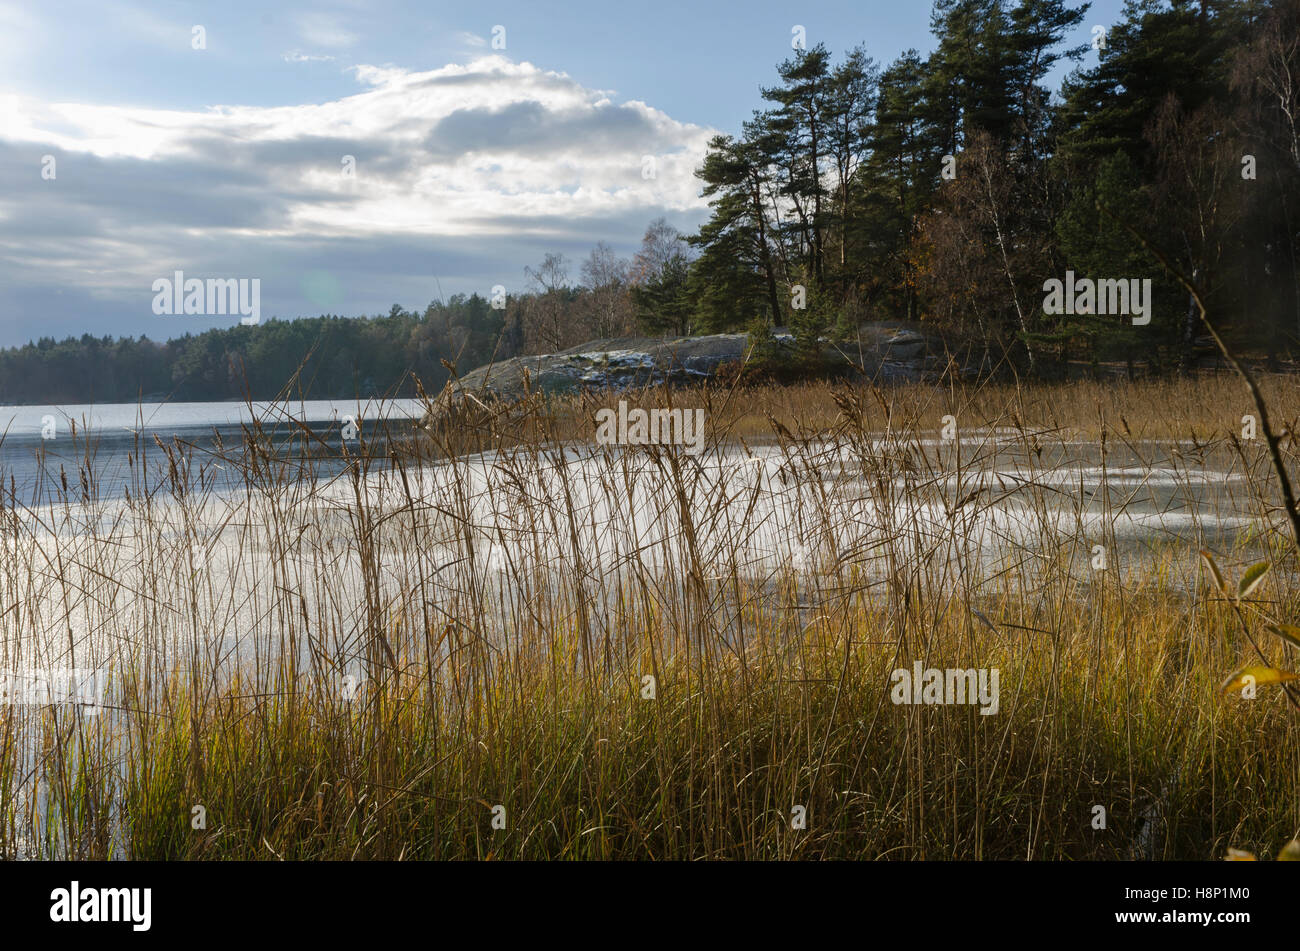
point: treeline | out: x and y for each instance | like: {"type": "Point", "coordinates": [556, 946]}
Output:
{"type": "Point", "coordinates": [947, 189]}
{"type": "Point", "coordinates": [332, 356]}
{"type": "Point", "coordinates": [950, 189]}
{"type": "Point", "coordinates": [319, 357]}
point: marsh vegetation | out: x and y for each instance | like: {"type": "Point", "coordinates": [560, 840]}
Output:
{"type": "Point", "coordinates": [523, 644]}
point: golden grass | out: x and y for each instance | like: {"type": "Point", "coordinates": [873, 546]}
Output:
{"type": "Point", "coordinates": [502, 660]}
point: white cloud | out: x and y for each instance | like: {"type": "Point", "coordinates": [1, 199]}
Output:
{"type": "Point", "coordinates": [555, 146]}
{"type": "Point", "coordinates": [488, 154]}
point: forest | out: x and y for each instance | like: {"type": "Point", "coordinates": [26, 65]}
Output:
{"type": "Point", "coordinates": [948, 189]}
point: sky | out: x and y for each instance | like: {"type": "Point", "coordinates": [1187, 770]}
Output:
{"type": "Point", "coordinates": [354, 154]}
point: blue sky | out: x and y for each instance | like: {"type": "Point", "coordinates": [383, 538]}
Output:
{"type": "Point", "coordinates": [470, 161]}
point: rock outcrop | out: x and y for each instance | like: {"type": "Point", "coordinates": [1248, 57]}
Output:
{"type": "Point", "coordinates": [884, 352]}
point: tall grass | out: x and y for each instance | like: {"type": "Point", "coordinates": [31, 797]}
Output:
{"type": "Point", "coordinates": [513, 643]}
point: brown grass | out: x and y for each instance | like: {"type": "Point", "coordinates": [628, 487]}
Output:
{"type": "Point", "coordinates": [501, 616]}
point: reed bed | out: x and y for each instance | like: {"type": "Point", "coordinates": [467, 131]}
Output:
{"type": "Point", "coordinates": [514, 643]}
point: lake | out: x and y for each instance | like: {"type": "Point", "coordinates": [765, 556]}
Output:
{"type": "Point", "coordinates": [100, 440]}
{"type": "Point", "coordinates": [131, 570]}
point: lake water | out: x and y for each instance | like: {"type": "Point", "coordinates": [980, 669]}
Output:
{"type": "Point", "coordinates": [127, 572]}
{"type": "Point", "coordinates": [44, 447]}
{"type": "Point", "coordinates": [1139, 494]}
{"type": "Point", "coordinates": [130, 572]}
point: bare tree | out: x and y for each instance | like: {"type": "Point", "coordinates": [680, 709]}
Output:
{"type": "Point", "coordinates": [1271, 65]}
{"type": "Point", "coordinates": [662, 242]}
{"type": "Point", "coordinates": [549, 281]}
{"type": "Point", "coordinates": [605, 275]}
{"type": "Point", "coordinates": [978, 250]}
{"type": "Point", "coordinates": [551, 275]}
{"type": "Point", "coordinates": [1267, 75]}
{"type": "Point", "coordinates": [1196, 163]}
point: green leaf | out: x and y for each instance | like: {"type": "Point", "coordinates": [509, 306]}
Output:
{"type": "Point", "coordinates": [1251, 579]}
{"type": "Point", "coordinates": [1215, 573]}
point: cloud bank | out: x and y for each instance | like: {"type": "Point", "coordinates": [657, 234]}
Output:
{"type": "Point", "coordinates": [454, 177]}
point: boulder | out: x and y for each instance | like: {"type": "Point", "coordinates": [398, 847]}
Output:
{"type": "Point", "coordinates": [883, 352]}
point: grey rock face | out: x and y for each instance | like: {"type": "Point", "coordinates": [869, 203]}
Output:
{"type": "Point", "coordinates": [886, 352]}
